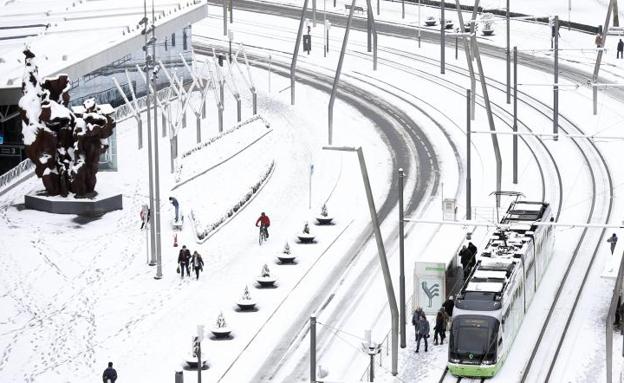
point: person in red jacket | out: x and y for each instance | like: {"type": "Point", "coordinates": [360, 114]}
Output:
{"type": "Point", "coordinates": [264, 222]}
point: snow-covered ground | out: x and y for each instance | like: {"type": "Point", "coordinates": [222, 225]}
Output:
{"type": "Point", "coordinates": [76, 293]}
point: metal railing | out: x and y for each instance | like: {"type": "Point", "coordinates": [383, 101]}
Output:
{"type": "Point", "coordinates": [16, 173]}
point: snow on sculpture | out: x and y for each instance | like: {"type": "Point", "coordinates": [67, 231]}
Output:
{"type": "Point", "coordinates": [64, 146]}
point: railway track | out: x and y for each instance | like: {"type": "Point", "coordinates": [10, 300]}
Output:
{"type": "Point", "coordinates": [583, 146]}
{"type": "Point", "coordinates": [448, 378]}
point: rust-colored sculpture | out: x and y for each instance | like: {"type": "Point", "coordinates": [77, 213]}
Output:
{"type": "Point", "coordinates": [64, 146]}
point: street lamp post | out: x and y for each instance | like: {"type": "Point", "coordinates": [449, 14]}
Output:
{"type": "Point", "coordinates": [383, 260]}
{"type": "Point", "coordinates": [156, 158]}
{"type": "Point", "coordinates": [149, 138]}
{"type": "Point", "coordinates": [401, 262]}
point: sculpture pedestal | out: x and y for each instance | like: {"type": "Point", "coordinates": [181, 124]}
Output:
{"type": "Point", "coordinates": [96, 204]}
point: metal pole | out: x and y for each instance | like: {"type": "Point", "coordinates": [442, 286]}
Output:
{"type": "Point", "coordinates": [442, 36]}
{"type": "Point", "coordinates": [507, 53]}
{"type": "Point", "coordinates": [199, 366]}
{"type": "Point", "coordinates": [172, 154]}
{"type": "Point", "coordinates": [238, 109]}
{"type": "Point", "coordinates": [599, 56]}
{"type": "Point", "coordinates": [149, 145]}
{"type": "Point", "coordinates": [515, 114]}
{"type": "Point", "coordinates": [402, 9]}
{"type": "Point", "coordinates": [313, 348]}
{"type": "Point", "coordinates": [164, 131]}
{"type": "Point", "coordinates": [221, 119]}
{"type": "Point", "coordinates": [368, 30]}
{"type": "Point", "coordinates": [394, 311]}
{"type": "Point", "coordinates": [467, 51]}
{"type": "Point", "coordinates": [456, 47]}
{"type": "Point", "coordinates": [488, 110]}
{"type": "Point", "coordinates": [332, 97]}
{"type": "Point", "coordinates": [254, 98]}
{"type": "Point", "coordinates": [556, 84]}
{"type": "Point", "coordinates": [293, 63]}
{"type": "Point", "coordinates": [374, 29]}
{"type": "Point", "coordinates": [378, 9]}
{"type": "Point", "coordinates": [314, 13]}
{"type": "Point", "coordinates": [225, 26]}
{"type": "Point", "coordinates": [231, 11]}
{"type": "Point", "coordinates": [198, 121]}
{"type": "Point", "coordinates": [419, 24]}
{"type": "Point", "coordinates": [401, 262]}
{"type": "Point", "coordinates": [156, 166]}
{"type": "Point", "coordinates": [468, 158]}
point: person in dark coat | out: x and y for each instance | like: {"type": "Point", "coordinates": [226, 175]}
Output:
{"type": "Point", "coordinates": [613, 241]}
{"type": "Point", "coordinates": [176, 206]}
{"type": "Point", "coordinates": [472, 248]}
{"type": "Point", "coordinates": [197, 262]}
{"type": "Point", "coordinates": [422, 329]}
{"type": "Point", "coordinates": [440, 326]}
{"type": "Point", "coordinates": [415, 317]}
{"type": "Point", "coordinates": [448, 305]}
{"type": "Point", "coordinates": [109, 375]}
{"type": "Point", "coordinates": [620, 49]}
{"type": "Point", "coordinates": [183, 261]}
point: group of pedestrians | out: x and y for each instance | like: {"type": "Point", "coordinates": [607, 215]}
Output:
{"type": "Point", "coordinates": [185, 259]}
{"type": "Point", "coordinates": [422, 328]}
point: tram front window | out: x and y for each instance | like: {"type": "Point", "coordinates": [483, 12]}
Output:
{"type": "Point", "coordinates": [473, 339]}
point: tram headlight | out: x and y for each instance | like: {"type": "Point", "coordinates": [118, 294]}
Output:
{"type": "Point", "coordinates": [487, 362]}
{"type": "Point", "coordinates": [453, 360]}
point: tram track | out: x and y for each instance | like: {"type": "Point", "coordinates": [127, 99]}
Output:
{"type": "Point", "coordinates": [580, 288]}
{"type": "Point", "coordinates": [427, 170]}
{"type": "Point", "coordinates": [566, 126]}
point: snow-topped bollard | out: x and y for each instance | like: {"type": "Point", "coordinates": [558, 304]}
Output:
{"type": "Point", "coordinates": [221, 330]}
{"type": "Point", "coordinates": [324, 218]}
{"type": "Point", "coordinates": [266, 279]}
{"type": "Point", "coordinates": [246, 302]}
{"type": "Point", "coordinates": [286, 256]}
{"type": "Point", "coordinates": [305, 236]}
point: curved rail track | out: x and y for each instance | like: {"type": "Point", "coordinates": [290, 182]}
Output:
{"type": "Point", "coordinates": [542, 108]}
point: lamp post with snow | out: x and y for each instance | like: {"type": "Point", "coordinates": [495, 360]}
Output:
{"type": "Point", "coordinates": [383, 260]}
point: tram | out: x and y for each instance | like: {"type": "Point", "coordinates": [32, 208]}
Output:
{"type": "Point", "coordinates": [494, 298]}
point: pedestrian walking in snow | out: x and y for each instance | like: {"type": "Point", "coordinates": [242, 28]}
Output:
{"type": "Point", "coordinates": [176, 206]}
{"type": "Point", "coordinates": [184, 258]}
{"type": "Point", "coordinates": [198, 263]}
{"type": "Point", "coordinates": [620, 49]}
{"type": "Point", "coordinates": [440, 326]}
{"type": "Point", "coordinates": [422, 332]}
{"type": "Point", "coordinates": [109, 375]}
{"type": "Point", "coordinates": [415, 317]}
{"type": "Point", "coordinates": [612, 240]}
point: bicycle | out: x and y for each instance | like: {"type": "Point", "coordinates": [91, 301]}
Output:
{"type": "Point", "coordinates": [263, 235]}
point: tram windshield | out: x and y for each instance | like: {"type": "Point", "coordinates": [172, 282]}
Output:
{"type": "Point", "coordinates": [473, 339]}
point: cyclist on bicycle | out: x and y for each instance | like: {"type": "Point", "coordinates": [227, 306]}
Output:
{"type": "Point", "coordinates": [264, 223]}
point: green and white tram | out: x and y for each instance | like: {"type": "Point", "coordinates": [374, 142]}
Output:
{"type": "Point", "coordinates": [493, 301]}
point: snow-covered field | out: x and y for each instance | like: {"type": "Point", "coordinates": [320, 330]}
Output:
{"type": "Point", "coordinates": [76, 292]}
